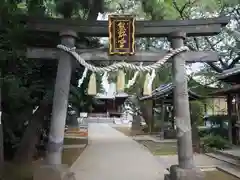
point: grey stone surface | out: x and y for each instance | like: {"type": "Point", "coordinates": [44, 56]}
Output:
{"type": "Point", "coordinates": [200, 160]}
{"type": "Point", "coordinates": [53, 172]}
{"type": "Point", "coordinates": [100, 120]}
{"type": "Point", "coordinates": [112, 155]}
{"type": "Point", "coordinates": [233, 153]}
{"type": "Point", "coordinates": [177, 173]}
{"type": "Point", "coordinates": [82, 141]}
{"type": "Point", "coordinates": [233, 170]}
{"type": "Point", "coordinates": [60, 100]}
{"type": "Point", "coordinates": [181, 102]}
{"type": "Point", "coordinates": [74, 146]}
{"type": "Point", "coordinates": [232, 161]}
{"type": "Point", "coordinates": [153, 138]}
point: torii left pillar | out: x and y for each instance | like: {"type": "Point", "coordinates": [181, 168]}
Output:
{"type": "Point", "coordinates": [54, 168]}
{"type": "Point", "coordinates": [60, 100]}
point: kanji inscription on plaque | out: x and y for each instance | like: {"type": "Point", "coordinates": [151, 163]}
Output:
{"type": "Point", "coordinates": [121, 34]}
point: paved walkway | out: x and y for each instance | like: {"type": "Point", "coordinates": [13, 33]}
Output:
{"type": "Point", "coordinates": [111, 155]}
{"type": "Point", "coordinates": [200, 160]}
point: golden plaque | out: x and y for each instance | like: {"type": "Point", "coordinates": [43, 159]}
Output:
{"type": "Point", "coordinates": [121, 34]}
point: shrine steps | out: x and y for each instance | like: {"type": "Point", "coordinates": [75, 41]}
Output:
{"type": "Point", "coordinates": [225, 158]}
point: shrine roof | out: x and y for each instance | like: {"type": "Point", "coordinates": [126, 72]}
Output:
{"type": "Point", "coordinates": [111, 96]}
{"type": "Point", "coordinates": [165, 91]}
{"type": "Point", "coordinates": [231, 75]}
{"type": "Point", "coordinates": [225, 91]}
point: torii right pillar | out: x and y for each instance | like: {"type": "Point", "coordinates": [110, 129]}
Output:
{"type": "Point", "coordinates": [185, 170]}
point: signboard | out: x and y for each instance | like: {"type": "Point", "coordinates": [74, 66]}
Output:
{"type": "Point", "coordinates": [121, 34]}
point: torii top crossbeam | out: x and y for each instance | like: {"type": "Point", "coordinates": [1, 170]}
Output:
{"type": "Point", "coordinates": [195, 27]}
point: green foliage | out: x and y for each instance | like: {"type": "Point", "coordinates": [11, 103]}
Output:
{"type": "Point", "coordinates": [67, 7]}
{"type": "Point", "coordinates": [157, 10]}
{"type": "Point", "coordinates": [181, 9]}
{"type": "Point", "coordinates": [217, 131]}
{"type": "Point", "coordinates": [219, 126]}
{"type": "Point", "coordinates": [220, 120]}
{"type": "Point", "coordinates": [25, 83]}
{"type": "Point", "coordinates": [225, 43]}
{"type": "Point", "coordinates": [36, 7]}
{"type": "Point", "coordinates": [215, 142]}
{"type": "Point", "coordinates": [163, 76]}
{"type": "Point", "coordinates": [201, 89]}
{"type": "Point", "coordinates": [79, 99]}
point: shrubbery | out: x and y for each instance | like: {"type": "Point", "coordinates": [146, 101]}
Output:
{"type": "Point", "coordinates": [216, 131]}
{"type": "Point", "coordinates": [215, 142]}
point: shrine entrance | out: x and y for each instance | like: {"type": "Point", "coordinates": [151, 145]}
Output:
{"type": "Point", "coordinates": [122, 31]}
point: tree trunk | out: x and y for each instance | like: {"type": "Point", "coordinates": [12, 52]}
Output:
{"type": "Point", "coordinates": [31, 135]}
{"type": "Point", "coordinates": [194, 125]}
{"type": "Point", "coordinates": [229, 109]}
{"type": "Point", "coordinates": [147, 114]}
{"type": "Point", "coordinates": [136, 125]}
{"type": "Point", "coordinates": [195, 137]}
{"type": "Point", "coordinates": [172, 120]}
{"type": "Point", "coordinates": [162, 121]}
{"type": "Point", "coordinates": [238, 117]}
{"type": "Point", "coordinates": [144, 113]}
{"type": "Point", "coordinates": [1, 134]}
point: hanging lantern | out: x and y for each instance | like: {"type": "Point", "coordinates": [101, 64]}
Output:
{"type": "Point", "coordinates": [92, 85]}
{"type": "Point", "coordinates": [120, 81]}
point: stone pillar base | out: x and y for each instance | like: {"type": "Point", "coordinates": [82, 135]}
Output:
{"type": "Point", "coordinates": [53, 172]}
{"type": "Point", "coordinates": [161, 135]}
{"type": "Point", "coordinates": [177, 173]}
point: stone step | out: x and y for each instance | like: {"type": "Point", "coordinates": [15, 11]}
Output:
{"type": "Point", "coordinates": [75, 137]}
{"type": "Point", "coordinates": [233, 170]}
{"type": "Point", "coordinates": [77, 140]}
{"type": "Point", "coordinates": [77, 134]}
{"type": "Point", "coordinates": [224, 158]}
{"type": "Point", "coordinates": [74, 146]}
{"type": "Point", "coordinates": [227, 154]}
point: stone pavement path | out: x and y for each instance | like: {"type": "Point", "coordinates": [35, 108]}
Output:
{"type": "Point", "coordinates": [111, 155]}
{"type": "Point", "coordinates": [200, 160]}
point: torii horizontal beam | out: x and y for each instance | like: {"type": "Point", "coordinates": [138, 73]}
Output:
{"type": "Point", "coordinates": [102, 55]}
{"type": "Point", "coordinates": [194, 27]}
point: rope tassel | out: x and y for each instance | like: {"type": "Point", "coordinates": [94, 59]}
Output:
{"type": "Point", "coordinates": [147, 90]}
{"type": "Point", "coordinates": [120, 81]}
{"type": "Point", "coordinates": [80, 81]}
{"type": "Point", "coordinates": [133, 80]}
{"type": "Point", "coordinates": [92, 85]}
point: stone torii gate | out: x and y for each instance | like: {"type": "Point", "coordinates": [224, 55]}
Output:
{"type": "Point", "coordinates": [175, 30]}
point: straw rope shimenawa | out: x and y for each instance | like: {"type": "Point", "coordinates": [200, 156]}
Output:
{"type": "Point", "coordinates": [120, 66]}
